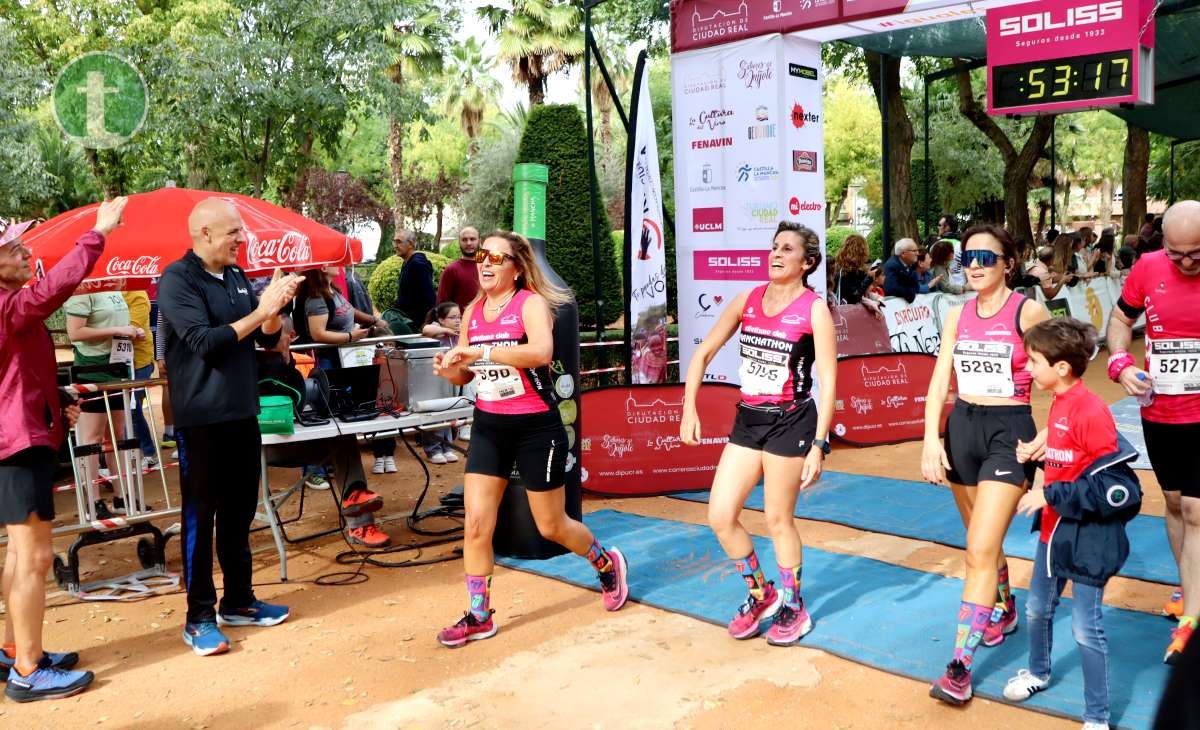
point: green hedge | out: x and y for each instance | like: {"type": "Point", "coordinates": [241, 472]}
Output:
{"type": "Point", "coordinates": [386, 276]}
{"type": "Point", "coordinates": [451, 251]}
{"type": "Point", "coordinates": [555, 137]}
{"type": "Point", "coordinates": [834, 238]}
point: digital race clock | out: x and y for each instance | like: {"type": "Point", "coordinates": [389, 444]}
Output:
{"type": "Point", "coordinates": [1053, 56]}
{"type": "Point", "coordinates": [1081, 78]}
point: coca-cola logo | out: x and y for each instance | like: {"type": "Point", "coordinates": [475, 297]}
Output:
{"type": "Point", "coordinates": [140, 266]}
{"type": "Point", "coordinates": [290, 247]}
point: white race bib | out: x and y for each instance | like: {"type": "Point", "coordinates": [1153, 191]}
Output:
{"type": "Point", "coordinates": [762, 372]}
{"type": "Point", "coordinates": [984, 368]}
{"type": "Point", "coordinates": [1175, 366]}
{"type": "Point", "coordinates": [122, 351]}
{"type": "Point", "coordinates": [494, 381]}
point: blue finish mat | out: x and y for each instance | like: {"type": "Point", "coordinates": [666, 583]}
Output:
{"type": "Point", "coordinates": [927, 512]}
{"type": "Point", "coordinates": [1128, 415]}
{"type": "Point", "coordinates": [895, 619]}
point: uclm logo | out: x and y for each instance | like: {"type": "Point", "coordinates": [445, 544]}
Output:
{"type": "Point", "coordinates": [1080, 15]}
{"type": "Point", "coordinates": [708, 220]}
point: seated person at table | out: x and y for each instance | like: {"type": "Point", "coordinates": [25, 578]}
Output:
{"type": "Point", "coordinates": [340, 452]}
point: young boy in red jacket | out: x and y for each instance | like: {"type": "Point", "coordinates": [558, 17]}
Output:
{"type": "Point", "coordinates": [1090, 493]}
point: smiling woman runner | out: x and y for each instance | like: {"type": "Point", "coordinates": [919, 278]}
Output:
{"type": "Point", "coordinates": [981, 343]}
{"type": "Point", "coordinates": [506, 348]}
{"type": "Point", "coordinates": [778, 430]}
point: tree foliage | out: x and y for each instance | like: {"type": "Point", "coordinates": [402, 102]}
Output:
{"type": "Point", "coordinates": [852, 140]}
{"type": "Point", "coordinates": [537, 38]}
{"type": "Point", "coordinates": [555, 137]}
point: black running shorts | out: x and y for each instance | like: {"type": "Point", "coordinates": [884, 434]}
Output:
{"type": "Point", "coordinates": [981, 443]}
{"type": "Point", "coordinates": [536, 443]}
{"type": "Point", "coordinates": [783, 430]}
{"type": "Point", "coordinates": [1174, 453]}
{"type": "Point", "coordinates": [27, 485]}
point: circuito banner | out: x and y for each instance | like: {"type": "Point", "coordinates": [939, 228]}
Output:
{"type": "Point", "coordinates": [630, 438]}
{"type": "Point", "coordinates": [881, 398]}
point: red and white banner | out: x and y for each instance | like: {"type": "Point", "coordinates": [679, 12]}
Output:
{"type": "Point", "coordinates": [748, 154]}
{"type": "Point", "coordinates": [645, 252]}
{"type": "Point", "coordinates": [881, 398]}
{"type": "Point", "coordinates": [629, 438]}
{"type": "Point", "coordinates": [859, 331]}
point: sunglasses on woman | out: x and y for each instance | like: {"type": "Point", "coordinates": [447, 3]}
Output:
{"type": "Point", "coordinates": [496, 258]}
{"type": "Point", "coordinates": [981, 256]}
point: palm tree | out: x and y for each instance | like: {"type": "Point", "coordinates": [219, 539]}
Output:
{"type": "Point", "coordinates": [537, 38]}
{"type": "Point", "coordinates": [619, 71]}
{"type": "Point", "coordinates": [470, 89]}
{"type": "Point", "coordinates": [416, 43]}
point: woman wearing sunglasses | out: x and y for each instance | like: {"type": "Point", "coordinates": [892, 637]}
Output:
{"type": "Point", "coordinates": [981, 344]}
{"type": "Point", "coordinates": [778, 432]}
{"type": "Point", "coordinates": [506, 348]}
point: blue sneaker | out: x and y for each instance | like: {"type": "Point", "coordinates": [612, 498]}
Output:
{"type": "Point", "coordinates": [256, 614]}
{"type": "Point", "coordinates": [54, 659]}
{"type": "Point", "coordinates": [205, 638]}
{"type": "Point", "coordinates": [46, 683]}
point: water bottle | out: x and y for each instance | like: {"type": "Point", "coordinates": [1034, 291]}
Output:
{"type": "Point", "coordinates": [1145, 399]}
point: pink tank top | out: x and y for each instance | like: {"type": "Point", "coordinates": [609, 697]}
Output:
{"type": "Point", "coordinates": [502, 388]}
{"type": "Point", "coordinates": [777, 352]}
{"type": "Point", "coordinates": [989, 357]}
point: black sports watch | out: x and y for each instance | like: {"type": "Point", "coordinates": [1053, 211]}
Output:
{"type": "Point", "coordinates": [823, 445]}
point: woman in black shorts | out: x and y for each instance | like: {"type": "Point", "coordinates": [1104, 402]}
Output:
{"type": "Point", "coordinates": [779, 432]}
{"type": "Point", "coordinates": [981, 344]}
{"type": "Point", "coordinates": [505, 346]}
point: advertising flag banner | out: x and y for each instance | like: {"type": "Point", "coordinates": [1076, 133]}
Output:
{"type": "Point", "coordinates": [645, 252]}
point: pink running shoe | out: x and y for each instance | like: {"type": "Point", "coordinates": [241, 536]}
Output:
{"type": "Point", "coordinates": [998, 629]}
{"type": "Point", "coordinates": [751, 613]}
{"type": "Point", "coordinates": [790, 626]}
{"type": "Point", "coordinates": [467, 629]}
{"type": "Point", "coordinates": [613, 584]}
{"type": "Point", "coordinates": [954, 687]}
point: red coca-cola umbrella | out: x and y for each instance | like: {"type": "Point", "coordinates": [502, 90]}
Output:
{"type": "Point", "coordinates": [154, 234]}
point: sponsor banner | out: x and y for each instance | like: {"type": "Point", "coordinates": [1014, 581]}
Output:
{"type": "Point", "coordinates": [915, 327]}
{"type": "Point", "coordinates": [859, 331]}
{"type": "Point", "coordinates": [630, 445]}
{"type": "Point", "coordinates": [764, 95]}
{"type": "Point", "coordinates": [645, 253]}
{"type": "Point", "coordinates": [881, 398]}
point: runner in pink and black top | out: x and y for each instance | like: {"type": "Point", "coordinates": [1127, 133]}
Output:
{"type": "Point", "coordinates": [981, 347]}
{"type": "Point", "coordinates": [779, 433]}
{"type": "Point", "coordinates": [506, 347]}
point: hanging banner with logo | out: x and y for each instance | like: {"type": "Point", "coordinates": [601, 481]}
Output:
{"type": "Point", "coordinates": [748, 154]}
{"type": "Point", "coordinates": [859, 331]}
{"type": "Point", "coordinates": [629, 436]}
{"type": "Point", "coordinates": [881, 398]}
{"type": "Point", "coordinates": [645, 254]}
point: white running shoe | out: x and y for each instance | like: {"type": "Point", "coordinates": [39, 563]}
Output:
{"type": "Point", "coordinates": [389, 464]}
{"type": "Point", "coordinates": [105, 474]}
{"type": "Point", "coordinates": [380, 463]}
{"type": "Point", "coordinates": [464, 433]}
{"type": "Point", "coordinates": [438, 458]}
{"type": "Point", "coordinates": [1095, 726]}
{"type": "Point", "coordinates": [149, 463]}
{"type": "Point", "coordinates": [1024, 685]}
{"type": "Point", "coordinates": [175, 455]}
{"type": "Point", "coordinates": [450, 456]}
{"type": "Point", "coordinates": [316, 481]}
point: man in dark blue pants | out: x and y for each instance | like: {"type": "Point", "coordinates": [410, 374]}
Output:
{"type": "Point", "coordinates": [213, 320]}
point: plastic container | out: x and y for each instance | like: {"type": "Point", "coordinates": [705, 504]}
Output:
{"type": "Point", "coordinates": [1145, 399]}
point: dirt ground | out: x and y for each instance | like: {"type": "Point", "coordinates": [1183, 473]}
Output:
{"type": "Point", "coordinates": [364, 655]}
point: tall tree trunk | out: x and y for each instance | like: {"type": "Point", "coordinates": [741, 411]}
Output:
{"type": "Point", "coordinates": [1133, 179]}
{"type": "Point", "coordinates": [832, 212]}
{"type": "Point", "coordinates": [1106, 195]}
{"type": "Point", "coordinates": [1017, 164]}
{"type": "Point", "coordinates": [396, 165]}
{"type": "Point", "coordinates": [606, 127]}
{"type": "Point", "coordinates": [437, 238]}
{"type": "Point", "coordinates": [197, 175]}
{"type": "Point", "coordinates": [1043, 211]}
{"type": "Point", "coordinates": [901, 138]}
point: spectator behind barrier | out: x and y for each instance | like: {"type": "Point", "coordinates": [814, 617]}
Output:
{"type": "Point", "coordinates": [899, 273]}
{"type": "Point", "coordinates": [941, 258]}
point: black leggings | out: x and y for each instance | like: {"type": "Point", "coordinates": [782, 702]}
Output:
{"type": "Point", "coordinates": [219, 481]}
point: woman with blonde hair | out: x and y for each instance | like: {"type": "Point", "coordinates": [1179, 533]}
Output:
{"type": "Point", "coordinates": [505, 347]}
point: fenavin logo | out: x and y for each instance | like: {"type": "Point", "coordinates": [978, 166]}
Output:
{"type": "Point", "coordinates": [1075, 17]}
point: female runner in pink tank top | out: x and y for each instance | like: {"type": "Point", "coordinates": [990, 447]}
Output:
{"type": "Point", "coordinates": [778, 433]}
{"type": "Point", "coordinates": [505, 345]}
{"type": "Point", "coordinates": [981, 345]}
